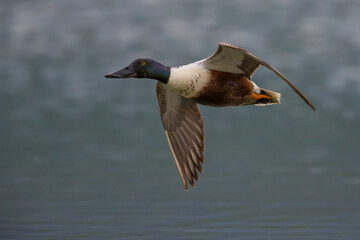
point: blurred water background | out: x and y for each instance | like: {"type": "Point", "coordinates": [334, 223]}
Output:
{"type": "Point", "coordinates": [84, 157]}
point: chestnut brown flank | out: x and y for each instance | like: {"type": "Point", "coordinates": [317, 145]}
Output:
{"type": "Point", "coordinates": [226, 89]}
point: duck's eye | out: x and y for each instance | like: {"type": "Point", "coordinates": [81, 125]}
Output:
{"type": "Point", "coordinates": [143, 63]}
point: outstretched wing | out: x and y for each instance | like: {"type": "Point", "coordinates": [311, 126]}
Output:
{"type": "Point", "coordinates": [233, 59]}
{"type": "Point", "coordinates": [184, 129]}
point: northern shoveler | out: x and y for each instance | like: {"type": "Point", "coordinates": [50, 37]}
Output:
{"type": "Point", "coordinates": [223, 79]}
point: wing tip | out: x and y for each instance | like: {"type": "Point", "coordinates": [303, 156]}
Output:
{"type": "Point", "coordinates": [311, 105]}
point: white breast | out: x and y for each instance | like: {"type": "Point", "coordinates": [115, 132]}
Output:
{"type": "Point", "coordinates": [189, 79]}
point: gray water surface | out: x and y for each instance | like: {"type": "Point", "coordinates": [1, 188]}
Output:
{"type": "Point", "coordinates": [84, 157]}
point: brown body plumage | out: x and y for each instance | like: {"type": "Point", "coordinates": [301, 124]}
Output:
{"type": "Point", "coordinates": [226, 89]}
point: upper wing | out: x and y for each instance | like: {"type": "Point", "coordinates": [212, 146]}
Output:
{"type": "Point", "coordinates": [184, 129]}
{"type": "Point", "coordinates": [233, 59]}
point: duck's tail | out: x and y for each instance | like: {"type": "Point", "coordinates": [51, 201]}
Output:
{"type": "Point", "coordinates": [265, 97]}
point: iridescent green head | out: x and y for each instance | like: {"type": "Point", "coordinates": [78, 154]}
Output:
{"type": "Point", "coordinates": [143, 68]}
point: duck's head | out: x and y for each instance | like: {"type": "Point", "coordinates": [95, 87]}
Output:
{"type": "Point", "coordinates": [143, 68]}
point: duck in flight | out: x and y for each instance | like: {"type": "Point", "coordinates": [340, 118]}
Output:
{"type": "Point", "coordinates": [221, 80]}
